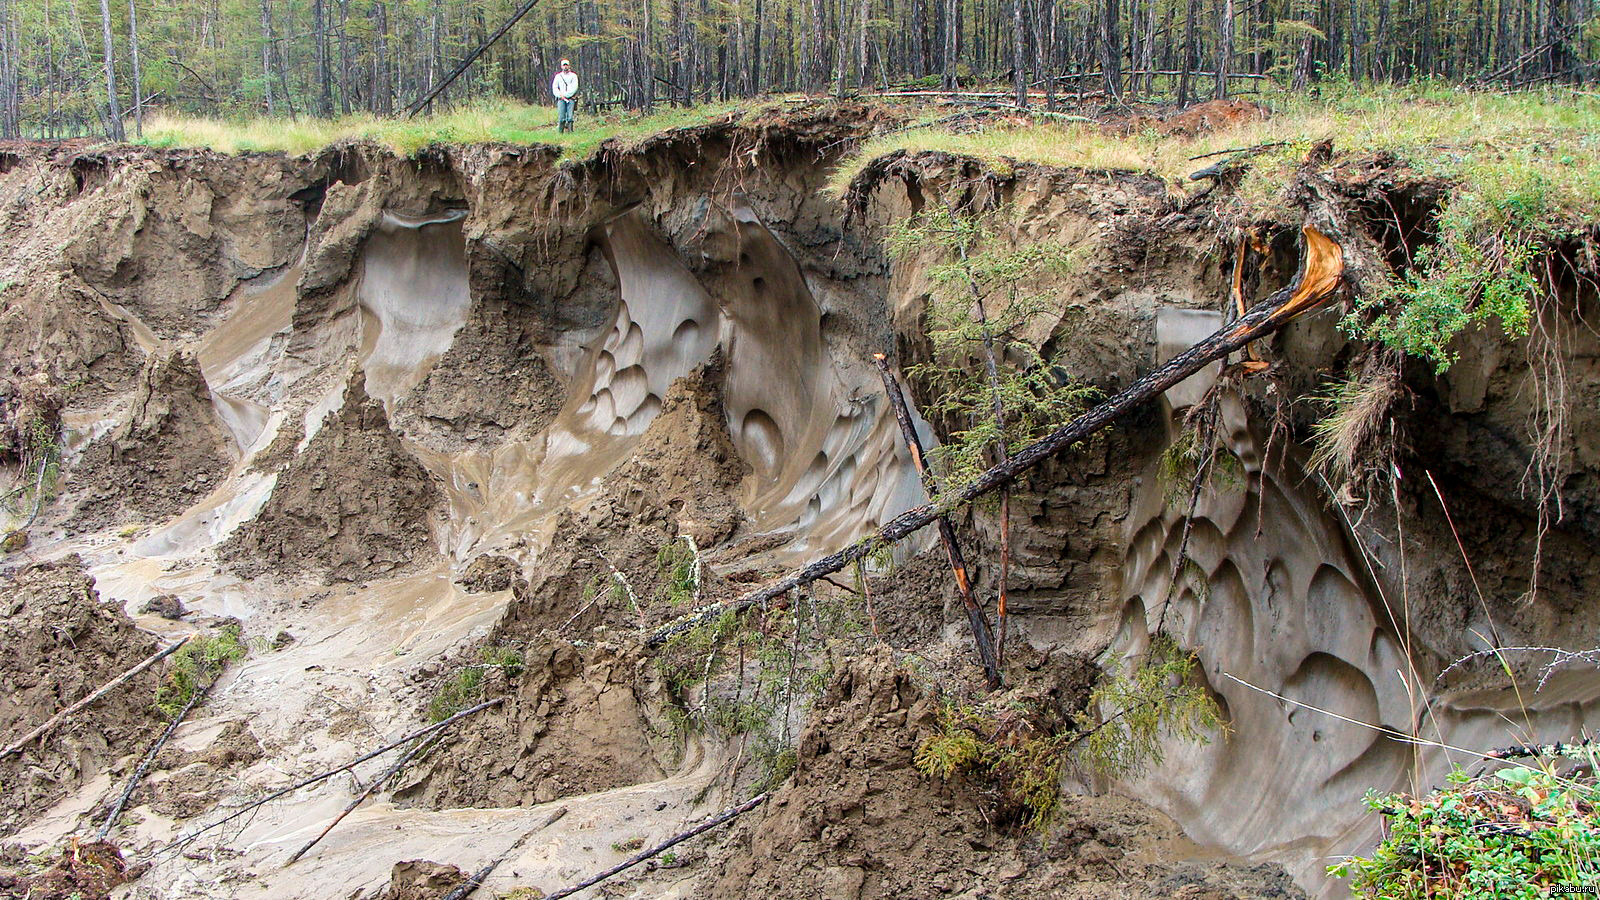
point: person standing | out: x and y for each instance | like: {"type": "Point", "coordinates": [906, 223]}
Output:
{"type": "Point", "coordinates": [565, 89]}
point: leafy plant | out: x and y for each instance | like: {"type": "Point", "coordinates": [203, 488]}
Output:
{"type": "Point", "coordinates": [195, 665]}
{"type": "Point", "coordinates": [678, 571]}
{"type": "Point", "coordinates": [1518, 833]}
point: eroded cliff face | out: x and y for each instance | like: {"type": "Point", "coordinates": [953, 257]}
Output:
{"type": "Point", "coordinates": [396, 407]}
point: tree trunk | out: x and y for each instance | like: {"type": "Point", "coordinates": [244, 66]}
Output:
{"type": "Point", "coordinates": [1111, 49]}
{"type": "Point", "coordinates": [113, 109]}
{"type": "Point", "coordinates": [266, 57]}
{"type": "Point", "coordinates": [133, 49]}
{"type": "Point", "coordinates": [1019, 54]}
{"type": "Point", "coordinates": [952, 15]}
{"type": "Point", "coordinates": [382, 82]}
{"type": "Point", "coordinates": [1224, 47]}
{"type": "Point", "coordinates": [1186, 69]}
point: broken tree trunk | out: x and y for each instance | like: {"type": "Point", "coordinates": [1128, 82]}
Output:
{"type": "Point", "coordinates": [1321, 272]}
{"type": "Point", "coordinates": [307, 782]}
{"type": "Point", "coordinates": [981, 636]}
{"type": "Point", "coordinates": [472, 57]}
{"type": "Point", "coordinates": [104, 689]}
{"type": "Point", "coordinates": [669, 843]}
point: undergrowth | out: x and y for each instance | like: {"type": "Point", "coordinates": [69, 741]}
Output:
{"type": "Point", "coordinates": [990, 300]}
{"type": "Point", "coordinates": [1521, 832]}
{"type": "Point", "coordinates": [1022, 749]}
{"type": "Point", "coordinates": [195, 665]}
{"type": "Point", "coordinates": [748, 678]}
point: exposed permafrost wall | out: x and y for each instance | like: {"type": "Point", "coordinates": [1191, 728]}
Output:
{"type": "Point", "coordinates": [546, 346]}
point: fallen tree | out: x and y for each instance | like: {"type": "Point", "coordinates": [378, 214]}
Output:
{"type": "Point", "coordinates": [1327, 261]}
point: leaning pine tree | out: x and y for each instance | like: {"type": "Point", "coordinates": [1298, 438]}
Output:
{"type": "Point", "coordinates": [990, 377]}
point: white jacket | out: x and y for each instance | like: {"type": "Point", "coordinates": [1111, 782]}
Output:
{"type": "Point", "coordinates": [565, 85]}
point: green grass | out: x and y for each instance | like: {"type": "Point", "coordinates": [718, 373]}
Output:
{"type": "Point", "coordinates": [465, 688]}
{"type": "Point", "coordinates": [195, 665]}
{"type": "Point", "coordinates": [1480, 139]}
{"type": "Point", "coordinates": [505, 121]}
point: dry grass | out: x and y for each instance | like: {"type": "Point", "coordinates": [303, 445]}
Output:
{"type": "Point", "coordinates": [1479, 138]}
{"type": "Point", "coordinates": [1350, 440]}
{"type": "Point", "coordinates": [505, 121]}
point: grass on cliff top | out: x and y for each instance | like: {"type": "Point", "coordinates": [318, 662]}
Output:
{"type": "Point", "coordinates": [1482, 140]}
{"type": "Point", "coordinates": [506, 121]}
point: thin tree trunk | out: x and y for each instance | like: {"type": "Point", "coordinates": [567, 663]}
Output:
{"type": "Point", "coordinates": [266, 56]}
{"type": "Point", "coordinates": [952, 43]}
{"type": "Point", "coordinates": [133, 48]}
{"type": "Point", "coordinates": [1111, 48]}
{"type": "Point", "coordinates": [1019, 54]}
{"type": "Point", "coordinates": [982, 638]}
{"type": "Point", "coordinates": [113, 109]}
{"type": "Point", "coordinates": [1224, 47]}
{"type": "Point", "coordinates": [1186, 69]}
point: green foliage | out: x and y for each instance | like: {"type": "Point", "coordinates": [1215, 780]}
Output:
{"type": "Point", "coordinates": [1516, 833]}
{"type": "Point", "coordinates": [678, 572]}
{"type": "Point", "coordinates": [984, 304]}
{"type": "Point", "coordinates": [1160, 698]}
{"type": "Point", "coordinates": [464, 688]}
{"type": "Point", "coordinates": [195, 665]}
{"type": "Point", "coordinates": [39, 452]}
{"type": "Point", "coordinates": [1023, 749]}
{"type": "Point", "coordinates": [1195, 447]}
{"type": "Point", "coordinates": [1462, 282]}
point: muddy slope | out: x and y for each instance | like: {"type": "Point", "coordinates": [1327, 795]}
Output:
{"type": "Point", "coordinates": [401, 409]}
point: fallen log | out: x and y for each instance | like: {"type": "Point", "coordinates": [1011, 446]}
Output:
{"type": "Point", "coordinates": [465, 888]}
{"type": "Point", "coordinates": [307, 782]}
{"type": "Point", "coordinates": [150, 758]}
{"type": "Point", "coordinates": [1321, 270]}
{"type": "Point", "coordinates": [982, 638]}
{"type": "Point", "coordinates": [104, 689]}
{"type": "Point", "coordinates": [669, 843]}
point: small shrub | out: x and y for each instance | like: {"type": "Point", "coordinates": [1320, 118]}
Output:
{"type": "Point", "coordinates": [195, 665]}
{"type": "Point", "coordinates": [1518, 833]}
{"type": "Point", "coordinates": [678, 572]}
{"type": "Point", "coordinates": [1023, 749]}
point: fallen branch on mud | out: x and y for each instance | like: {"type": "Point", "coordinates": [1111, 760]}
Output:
{"type": "Point", "coordinates": [371, 788]}
{"type": "Point", "coordinates": [1526, 751]}
{"type": "Point", "coordinates": [718, 819]}
{"type": "Point", "coordinates": [104, 689]}
{"type": "Point", "coordinates": [150, 758]}
{"type": "Point", "coordinates": [465, 888]}
{"type": "Point", "coordinates": [1321, 272]}
{"type": "Point", "coordinates": [419, 733]}
{"type": "Point", "coordinates": [982, 639]}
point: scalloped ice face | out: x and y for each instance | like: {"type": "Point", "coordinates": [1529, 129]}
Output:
{"type": "Point", "coordinates": [1275, 594]}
